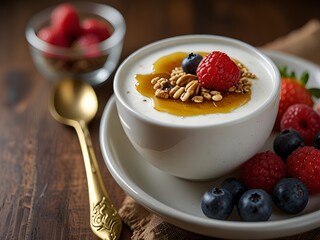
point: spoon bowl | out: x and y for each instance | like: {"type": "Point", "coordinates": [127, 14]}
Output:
{"type": "Point", "coordinates": [74, 100]}
{"type": "Point", "coordinates": [74, 103]}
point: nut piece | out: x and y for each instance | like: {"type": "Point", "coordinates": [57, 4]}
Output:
{"type": "Point", "coordinates": [217, 97]}
{"type": "Point", "coordinates": [162, 93]}
{"type": "Point", "coordinates": [206, 95]}
{"type": "Point", "coordinates": [184, 96]}
{"type": "Point", "coordinates": [177, 71]}
{"type": "Point", "coordinates": [185, 79]}
{"type": "Point", "coordinates": [193, 87]}
{"type": "Point", "coordinates": [173, 91]}
{"type": "Point", "coordinates": [178, 93]}
{"type": "Point", "coordinates": [197, 99]}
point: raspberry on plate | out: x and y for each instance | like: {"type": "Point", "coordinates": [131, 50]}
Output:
{"type": "Point", "coordinates": [263, 171]}
{"type": "Point", "coordinates": [303, 119]}
{"type": "Point", "coordinates": [304, 164]}
{"type": "Point", "coordinates": [217, 71]}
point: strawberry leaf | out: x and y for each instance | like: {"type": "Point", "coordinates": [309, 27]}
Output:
{"type": "Point", "coordinates": [304, 78]}
{"type": "Point", "coordinates": [314, 92]}
{"type": "Point", "coordinates": [283, 71]}
{"type": "Point", "coordinates": [292, 75]}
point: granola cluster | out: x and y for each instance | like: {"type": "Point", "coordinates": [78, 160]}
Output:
{"type": "Point", "coordinates": [76, 66]}
{"type": "Point", "coordinates": [183, 86]}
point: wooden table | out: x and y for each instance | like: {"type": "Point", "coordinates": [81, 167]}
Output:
{"type": "Point", "coordinates": [43, 190]}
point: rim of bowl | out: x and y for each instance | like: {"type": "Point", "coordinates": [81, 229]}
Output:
{"type": "Point", "coordinates": [108, 13]}
{"type": "Point", "coordinates": [193, 37]}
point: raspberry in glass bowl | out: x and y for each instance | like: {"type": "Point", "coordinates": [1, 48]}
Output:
{"type": "Point", "coordinates": [79, 39]}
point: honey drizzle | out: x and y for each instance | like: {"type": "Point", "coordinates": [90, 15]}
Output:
{"type": "Point", "coordinates": [162, 68]}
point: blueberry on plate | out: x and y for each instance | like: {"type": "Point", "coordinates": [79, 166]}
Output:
{"type": "Point", "coordinates": [286, 142]}
{"type": "Point", "coordinates": [235, 186]}
{"type": "Point", "coordinates": [290, 195]}
{"type": "Point", "coordinates": [191, 62]}
{"type": "Point", "coordinates": [217, 203]}
{"type": "Point", "coordinates": [317, 141]}
{"type": "Point", "coordinates": [255, 205]}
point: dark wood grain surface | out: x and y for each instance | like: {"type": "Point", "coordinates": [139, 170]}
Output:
{"type": "Point", "coordinates": [43, 190]}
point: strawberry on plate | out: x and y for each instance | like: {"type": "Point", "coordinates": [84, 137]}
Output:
{"type": "Point", "coordinates": [294, 91]}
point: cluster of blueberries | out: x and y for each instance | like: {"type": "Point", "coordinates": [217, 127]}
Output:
{"type": "Point", "coordinates": [289, 195]}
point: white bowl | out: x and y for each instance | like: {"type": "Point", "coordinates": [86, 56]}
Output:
{"type": "Point", "coordinates": [205, 146]}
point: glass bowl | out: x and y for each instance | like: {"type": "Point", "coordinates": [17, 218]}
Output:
{"type": "Point", "coordinates": [56, 63]}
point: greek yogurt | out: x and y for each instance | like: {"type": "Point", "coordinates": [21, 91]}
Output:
{"type": "Point", "coordinates": [263, 87]}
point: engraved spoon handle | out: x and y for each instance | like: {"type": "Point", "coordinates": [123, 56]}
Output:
{"type": "Point", "coordinates": [104, 219]}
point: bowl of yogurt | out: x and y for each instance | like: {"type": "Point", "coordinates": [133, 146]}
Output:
{"type": "Point", "coordinates": [187, 140]}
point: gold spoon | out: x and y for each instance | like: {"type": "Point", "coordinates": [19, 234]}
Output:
{"type": "Point", "coordinates": [74, 103]}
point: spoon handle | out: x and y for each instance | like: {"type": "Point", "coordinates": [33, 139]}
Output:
{"type": "Point", "coordinates": [104, 219]}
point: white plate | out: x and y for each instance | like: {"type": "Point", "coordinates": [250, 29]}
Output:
{"type": "Point", "coordinates": [178, 200]}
